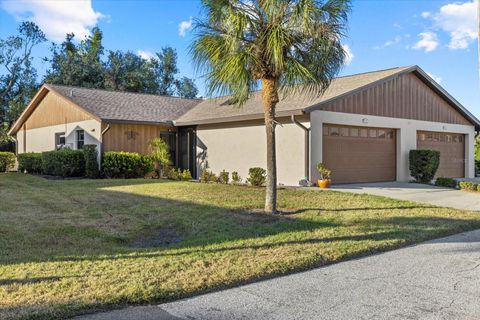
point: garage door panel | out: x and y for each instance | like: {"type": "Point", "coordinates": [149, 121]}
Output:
{"type": "Point", "coordinates": [452, 151]}
{"type": "Point", "coordinates": [359, 154]}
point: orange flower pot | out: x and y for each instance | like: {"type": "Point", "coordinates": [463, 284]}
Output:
{"type": "Point", "coordinates": [324, 184]}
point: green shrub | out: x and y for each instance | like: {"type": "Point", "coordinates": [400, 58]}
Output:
{"type": "Point", "coordinates": [424, 164]}
{"type": "Point", "coordinates": [478, 187]}
{"type": "Point", "coordinates": [208, 176]}
{"type": "Point", "coordinates": [64, 163]}
{"type": "Point", "coordinates": [469, 186]}
{"type": "Point", "coordinates": [30, 162]}
{"type": "Point", "coordinates": [186, 175]}
{"type": "Point", "coordinates": [223, 177]}
{"type": "Point", "coordinates": [160, 154]}
{"type": "Point", "coordinates": [91, 161]}
{"type": "Point", "coordinates": [256, 176]}
{"type": "Point", "coordinates": [477, 168]}
{"type": "Point", "coordinates": [126, 165]}
{"type": "Point", "coordinates": [446, 182]}
{"type": "Point", "coordinates": [7, 161]}
{"type": "Point", "coordinates": [171, 173]}
{"type": "Point", "coordinates": [236, 177]}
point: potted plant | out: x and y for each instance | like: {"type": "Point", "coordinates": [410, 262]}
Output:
{"type": "Point", "coordinates": [325, 175]}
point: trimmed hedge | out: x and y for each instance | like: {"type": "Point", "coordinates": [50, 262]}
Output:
{"type": "Point", "coordinates": [446, 182]}
{"type": "Point", "coordinates": [90, 155]}
{"type": "Point", "coordinates": [424, 164]}
{"type": "Point", "coordinates": [30, 162]}
{"type": "Point", "coordinates": [126, 165]}
{"type": "Point", "coordinates": [7, 161]}
{"type": "Point", "coordinates": [64, 163]}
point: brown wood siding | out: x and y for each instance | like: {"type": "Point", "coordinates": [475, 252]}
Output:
{"type": "Point", "coordinates": [359, 154]}
{"type": "Point", "coordinates": [405, 97]}
{"type": "Point", "coordinates": [131, 137]}
{"type": "Point", "coordinates": [452, 151]}
{"type": "Point", "coordinates": [55, 110]}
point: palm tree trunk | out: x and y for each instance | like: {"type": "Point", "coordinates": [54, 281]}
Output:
{"type": "Point", "coordinates": [269, 100]}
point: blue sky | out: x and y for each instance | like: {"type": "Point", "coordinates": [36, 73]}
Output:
{"type": "Point", "coordinates": [439, 36]}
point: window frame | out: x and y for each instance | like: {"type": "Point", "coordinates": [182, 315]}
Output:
{"type": "Point", "coordinates": [79, 143]}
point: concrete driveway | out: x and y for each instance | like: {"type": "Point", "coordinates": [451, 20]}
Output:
{"type": "Point", "coordinates": [437, 196]}
{"type": "Point", "coordinates": [438, 279]}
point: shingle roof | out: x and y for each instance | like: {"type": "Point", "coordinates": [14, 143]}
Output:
{"type": "Point", "coordinates": [126, 106]}
{"type": "Point", "coordinates": [219, 109]}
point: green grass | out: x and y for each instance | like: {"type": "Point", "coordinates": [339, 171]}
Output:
{"type": "Point", "coordinates": [72, 246]}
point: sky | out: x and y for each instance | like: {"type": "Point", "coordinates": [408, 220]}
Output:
{"type": "Point", "coordinates": [438, 35]}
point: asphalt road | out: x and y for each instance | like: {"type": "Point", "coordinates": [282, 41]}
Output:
{"type": "Point", "coordinates": [438, 279]}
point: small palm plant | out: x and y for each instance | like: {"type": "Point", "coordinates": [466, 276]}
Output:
{"type": "Point", "coordinates": [160, 154]}
{"type": "Point", "coordinates": [280, 46]}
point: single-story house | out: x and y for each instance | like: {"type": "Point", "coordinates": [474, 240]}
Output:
{"type": "Point", "coordinates": [362, 127]}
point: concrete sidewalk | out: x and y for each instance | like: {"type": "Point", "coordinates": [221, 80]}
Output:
{"type": "Point", "coordinates": [438, 279]}
{"type": "Point", "coordinates": [442, 197]}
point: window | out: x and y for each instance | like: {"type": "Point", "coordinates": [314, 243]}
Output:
{"type": "Point", "coordinates": [353, 132]}
{"type": "Point", "coordinates": [455, 138]}
{"type": "Point", "coordinates": [344, 132]}
{"type": "Point", "coordinates": [460, 138]}
{"type": "Point", "coordinates": [381, 134]}
{"type": "Point", "coordinates": [59, 140]}
{"type": "Point", "coordinates": [334, 131]}
{"type": "Point", "coordinates": [80, 139]}
{"type": "Point", "coordinates": [372, 133]}
{"type": "Point", "coordinates": [448, 138]}
{"type": "Point", "coordinates": [390, 134]}
{"type": "Point", "coordinates": [325, 130]}
{"type": "Point", "coordinates": [363, 133]}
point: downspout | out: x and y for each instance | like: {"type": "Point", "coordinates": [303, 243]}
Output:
{"type": "Point", "coordinates": [101, 143]}
{"type": "Point", "coordinates": [307, 146]}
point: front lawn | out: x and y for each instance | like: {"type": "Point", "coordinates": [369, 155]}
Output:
{"type": "Point", "coordinates": [73, 246]}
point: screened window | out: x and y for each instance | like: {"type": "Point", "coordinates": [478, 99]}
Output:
{"type": "Point", "coordinates": [59, 140]}
{"type": "Point", "coordinates": [80, 139]}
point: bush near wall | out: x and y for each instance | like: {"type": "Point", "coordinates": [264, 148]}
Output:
{"type": "Point", "coordinates": [256, 176]}
{"type": "Point", "coordinates": [7, 161]}
{"type": "Point", "coordinates": [446, 182]}
{"type": "Point", "coordinates": [30, 162]}
{"type": "Point", "coordinates": [91, 163]}
{"type": "Point", "coordinates": [424, 164]}
{"type": "Point", "coordinates": [468, 186]}
{"type": "Point", "coordinates": [126, 165]}
{"type": "Point", "coordinates": [63, 163]}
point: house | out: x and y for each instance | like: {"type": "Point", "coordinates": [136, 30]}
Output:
{"type": "Point", "coordinates": [362, 127]}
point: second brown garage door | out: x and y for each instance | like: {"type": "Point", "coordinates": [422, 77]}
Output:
{"type": "Point", "coordinates": [452, 151]}
{"type": "Point", "coordinates": [359, 154]}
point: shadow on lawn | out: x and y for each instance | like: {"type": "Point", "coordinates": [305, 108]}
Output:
{"type": "Point", "coordinates": [195, 226]}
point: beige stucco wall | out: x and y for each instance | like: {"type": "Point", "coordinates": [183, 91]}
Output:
{"type": "Point", "coordinates": [238, 146]}
{"type": "Point", "coordinates": [406, 137]}
{"type": "Point", "coordinates": [43, 139]}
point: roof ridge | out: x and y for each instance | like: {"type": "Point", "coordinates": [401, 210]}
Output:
{"type": "Point", "coordinates": [374, 71]}
{"type": "Point", "coordinates": [118, 91]}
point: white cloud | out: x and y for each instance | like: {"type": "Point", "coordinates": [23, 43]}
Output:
{"type": "Point", "coordinates": [147, 55]}
{"type": "Point", "coordinates": [56, 18]}
{"type": "Point", "coordinates": [184, 26]}
{"type": "Point", "coordinates": [348, 54]}
{"type": "Point", "coordinates": [426, 14]}
{"type": "Point", "coordinates": [434, 77]}
{"type": "Point", "coordinates": [459, 20]}
{"type": "Point", "coordinates": [428, 42]}
{"type": "Point", "coordinates": [389, 43]}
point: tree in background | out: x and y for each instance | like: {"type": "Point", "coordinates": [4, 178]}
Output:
{"type": "Point", "coordinates": [286, 46]}
{"type": "Point", "coordinates": [126, 71]}
{"type": "Point", "coordinates": [18, 77]}
{"type": "Point", "coordinates": [186, 88]}
{"type": "Point", "coordinates": [165, 66]}
{"type": "Point", "coordinates": [77, 64]}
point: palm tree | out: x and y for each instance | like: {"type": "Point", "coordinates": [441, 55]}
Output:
{"type": "Point", "coordinates": [282, 46]}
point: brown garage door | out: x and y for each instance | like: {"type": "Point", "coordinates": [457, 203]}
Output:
{"type": "Point", "coordinates": [359, 154]}
{"type": "Point", "coordinates": [452, 151]}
